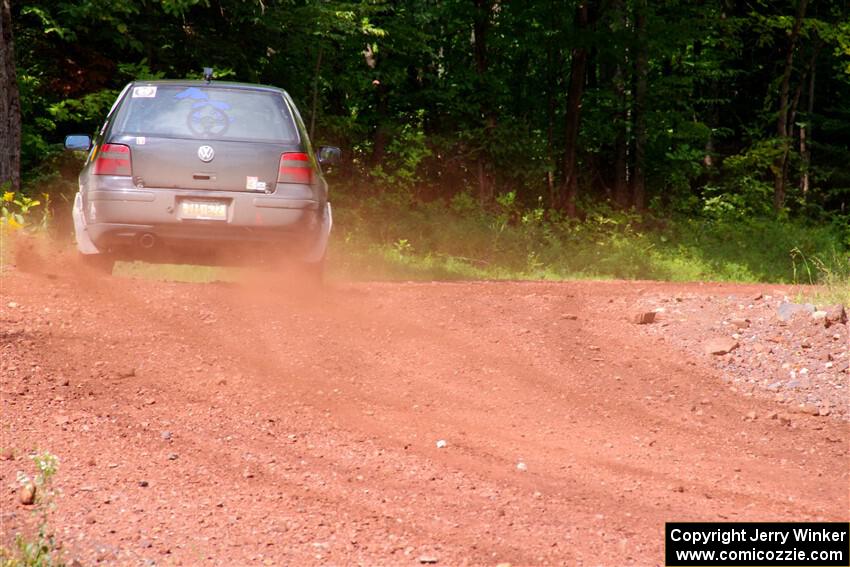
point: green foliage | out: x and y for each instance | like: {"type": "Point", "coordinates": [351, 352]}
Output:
{"type": "Point", "coordinates": [461, 239]}
{"type": "Point", "coordinates": [37, 552]}
{"type": "Point", "coordinates": [440, 106]}
{"type": "Point", "coordinates": [19, 211]}
{"type": "Point", "coordinates": [406, 150]}
{"type": "Point", "coordinates": [42, 550]}
{"type": "Point", "coordinates": [746, 190]}
{"type": "Point", "coordinates": [89, 108]}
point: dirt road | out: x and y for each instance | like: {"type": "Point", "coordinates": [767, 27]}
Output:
{"type": "Point", "coordinates": [248, 423]}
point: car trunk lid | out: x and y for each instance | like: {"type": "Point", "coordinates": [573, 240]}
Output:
{"type": "Point", "coordinates": [204, 164]}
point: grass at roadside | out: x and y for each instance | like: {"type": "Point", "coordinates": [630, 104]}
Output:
{"type": "Point", "coordinates": [391, 238]}
{"type": "Point", "coordinates": [833, 278]}
{"type": "Point", "coordinates": [832, 295]}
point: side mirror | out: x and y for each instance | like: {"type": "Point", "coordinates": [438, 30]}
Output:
{"type": "Point", "coordinates": [78, 142]}
{"type": "Point", "coordinates": [328, 155]}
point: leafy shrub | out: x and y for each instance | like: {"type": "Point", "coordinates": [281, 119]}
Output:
{"type": "Point", "coordinates": [18, 211]}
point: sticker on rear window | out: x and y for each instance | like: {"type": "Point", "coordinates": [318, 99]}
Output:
{"type": "Point", "coordinates": [140, 140]}
{"type": "Point", "coordinates": [192, 93]}
{"type": "Point", "coordinates": [144, 92]}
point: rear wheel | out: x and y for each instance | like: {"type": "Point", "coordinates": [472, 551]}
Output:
{"type": "Point", "coordinates": [101, 263]}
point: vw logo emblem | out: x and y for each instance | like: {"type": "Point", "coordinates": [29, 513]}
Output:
{"type": "Point", "coordinates": [206, 153]}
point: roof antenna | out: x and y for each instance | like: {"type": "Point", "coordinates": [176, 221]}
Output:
{"type": "Point", "coordinates": [208, 72]}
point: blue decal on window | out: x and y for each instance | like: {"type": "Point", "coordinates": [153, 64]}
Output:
{"type": "Point", "coordinates": [193, 93]}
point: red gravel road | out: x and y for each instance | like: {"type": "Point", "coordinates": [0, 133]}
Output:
{"type": "Point", "coordinates": [248, 423]}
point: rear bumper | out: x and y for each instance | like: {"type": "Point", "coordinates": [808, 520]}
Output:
{"type": "Point", "coordinates": [117, 220]}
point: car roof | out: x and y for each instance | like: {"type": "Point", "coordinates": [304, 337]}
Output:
{"type": "Point", "coordinates": [212, 84]}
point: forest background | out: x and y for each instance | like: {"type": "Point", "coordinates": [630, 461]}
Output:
{"type": "Point", "coordinates": [675, 139]}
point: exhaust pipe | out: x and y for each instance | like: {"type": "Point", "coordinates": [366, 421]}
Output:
{"type": "Point", "coordinates": [147, 241]}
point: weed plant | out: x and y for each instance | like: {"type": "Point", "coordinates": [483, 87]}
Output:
{"type": "Point", "coordinates": [40, 550]}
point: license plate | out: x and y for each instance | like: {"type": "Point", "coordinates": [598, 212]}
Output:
{"type": "Point", "coordinates": [203, 210]}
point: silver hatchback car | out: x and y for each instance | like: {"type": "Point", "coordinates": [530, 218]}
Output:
{"type": "Point", "coordinates": [202, 172]}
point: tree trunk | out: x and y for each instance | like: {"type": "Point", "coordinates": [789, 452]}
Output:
{"type": "Point", "coordinates": [806, 136]}
{"type": "Point", "coordinates": [379, 140]}
{"type": "Point", "coordinates": [641, 71]}
{"type": "Point", "coordinates": [10, 104]}
{"type": "Point", "coordinates": [551, 85]}
{"type": "Point", "coordinates": [315, 94]}
{"type": "Point", "coordinates": [381, 136]}
{"type": "Point", "coordinates": [780, 165]}
{"type": "Point", "coordinates": [621, 156]}
{"type": "Point", "coordinates": [480, 29]}
{"type": "Point", "coordinates": [578, 70]}
{"type": "Point", "coordinates": [621, 165]}
{"type": "Point", "coordinates": [713, 121]}
{"type": "Point", "coordinates": [617, 24]}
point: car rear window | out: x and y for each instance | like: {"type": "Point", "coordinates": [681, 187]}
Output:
{"type": "Point", "coordinates": [205, 113]}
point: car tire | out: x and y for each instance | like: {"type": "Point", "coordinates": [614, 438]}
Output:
{"type": "Point", "coordinates": [100, 263]}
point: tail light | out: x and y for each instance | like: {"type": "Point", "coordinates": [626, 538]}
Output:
{"type": "Point", "coordinates": [295, 168]}
{"type": "Point", "coordinates": [113, 159]}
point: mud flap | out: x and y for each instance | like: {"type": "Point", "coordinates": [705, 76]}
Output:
{"type": "Point", "coordinates": [84, 242]}
{"type": "Point", "coordinates": [317, 253]}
